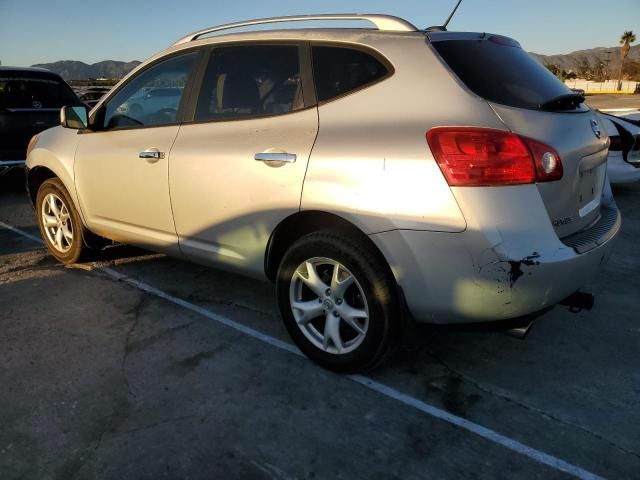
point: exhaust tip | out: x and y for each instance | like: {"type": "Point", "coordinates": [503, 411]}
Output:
{"type": "Point", "coordinates": [520, 332]}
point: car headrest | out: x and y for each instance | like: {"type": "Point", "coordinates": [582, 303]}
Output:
{"type": "Point", "coordinates": [238, 91]}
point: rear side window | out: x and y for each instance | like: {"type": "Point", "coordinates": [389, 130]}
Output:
{"type": "Point", "coordinates": [249, 81]}
{"type": "Point", "coordinates": [499, 70]}
{"type": "Point", "coordinates": [338, 71]}
{"type": "Point", "coordinates": [20, 90]}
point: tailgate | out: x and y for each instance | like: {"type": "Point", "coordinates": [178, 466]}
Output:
{"type": "Point", "coordinates": [580, 138]}
{"type": "Point", "coordinates": [533, 103]}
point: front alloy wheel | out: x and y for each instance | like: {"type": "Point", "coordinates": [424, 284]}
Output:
{"type": "Point", "coordinates": [60, 224]}
{"type": "Point", "coordinates": [57, 223]}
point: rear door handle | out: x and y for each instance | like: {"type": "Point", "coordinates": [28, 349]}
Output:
{"type": "Point", "coordinates": [152, 155]}
{"type": "Point", "coordinates": [275, 157]}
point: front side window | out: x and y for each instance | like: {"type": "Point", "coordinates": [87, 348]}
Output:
{"type": "Point", "coordinates": [151, 98]}
{"type": "Point", "coordinates": [250, 80]}
{"type": "Point", "coordinates": [338, 71]}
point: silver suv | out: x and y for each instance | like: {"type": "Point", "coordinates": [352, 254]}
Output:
{"type": "Point", "coordinates": [367, 172]}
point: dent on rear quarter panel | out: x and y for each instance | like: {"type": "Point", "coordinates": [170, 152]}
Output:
{"type": "Point", "coordinates": [55, 150]}
{"type": "Point", "coordinates": [371, 163]}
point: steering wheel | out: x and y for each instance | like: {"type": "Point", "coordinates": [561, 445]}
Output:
{"type": "Point", "coordinates": [167, 111]}
{"type": "Point", "coordinates": [164, 115]}
{"type": "Point", "coordinates": [136, 110]}
{"type": "Point", "coordinates": [123, 120]}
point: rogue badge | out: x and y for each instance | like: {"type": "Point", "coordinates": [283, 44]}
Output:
{"type": "Point", "coordinates": [596, 128]}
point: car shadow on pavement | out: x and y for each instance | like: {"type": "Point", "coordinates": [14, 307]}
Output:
{"type": "Point", "coordinates": [118, 252]}
{"type": "Point", "coordinates": [12, 182]}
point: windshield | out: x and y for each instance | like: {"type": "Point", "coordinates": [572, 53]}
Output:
{"type": "Point", "coordinates": [34, 92]}
{"type": "Point", "coordinates": [497, 69]}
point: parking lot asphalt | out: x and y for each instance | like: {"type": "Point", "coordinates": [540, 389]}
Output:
{"type": "Point", "coordinates": [102, 379]}
{"type": "Point", "coordinates": [603, 102]}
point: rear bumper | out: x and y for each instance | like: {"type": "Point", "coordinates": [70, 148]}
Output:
{"type": "Point", "coordinates": [478, 277]}
{"type": "Point", "coordinates": [7, 165]}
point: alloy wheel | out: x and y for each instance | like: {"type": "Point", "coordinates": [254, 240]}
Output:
{"type": "Point", "coordinates": [329, 305]}
{"type": "Point", "coordinates": [56, 222]}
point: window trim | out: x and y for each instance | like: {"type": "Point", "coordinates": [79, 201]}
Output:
{"type": "Point", "coordinates": [306, 78]}
{"type": "Point", "coordinates": [98, 114]}
{"type": "Point", "coordinates": [352, 46]}
{"type": "Point", "coordinates": [195, 79]}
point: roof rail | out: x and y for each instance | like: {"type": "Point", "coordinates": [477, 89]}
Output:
{"type": "Point", "coordinates": [387, 23]}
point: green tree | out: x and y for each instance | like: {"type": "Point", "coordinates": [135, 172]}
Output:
{"type": "Point", "coordinates": [583, 68]}
{"type": "Point", "coordinates": [561, 73]}
{"type": "Point", "coordinates": [599, 71]}
{"type": "Point", "coordinates": [632, 70]}
{"type": "Point", "coordinates": [626, 40]}
{"type": "Point", "coordinates": [553, 69]}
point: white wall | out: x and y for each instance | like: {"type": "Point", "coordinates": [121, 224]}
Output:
{"type": "Point", "coordinates": [594, 87]}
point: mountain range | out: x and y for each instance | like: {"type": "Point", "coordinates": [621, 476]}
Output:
{"type": "Point", "coordinates": [593, 56]}
{"type": "Point", "coordinates": [112, 69]}
{"type": "Point", "coordinates": [75, 70]}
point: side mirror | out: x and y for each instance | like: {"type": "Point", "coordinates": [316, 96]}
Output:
{"type": "Point", "coordinates": [75, 117]}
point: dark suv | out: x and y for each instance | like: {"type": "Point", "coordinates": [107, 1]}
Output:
{"type": "Point", "coordinates": [30, 101]}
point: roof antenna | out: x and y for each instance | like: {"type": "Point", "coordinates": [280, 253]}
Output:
{"type": "Point", "coordinates": [443, 27]}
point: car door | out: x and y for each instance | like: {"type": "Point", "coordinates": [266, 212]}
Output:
{"type": "Point", "coordinates": [121, 165]}
{"type": "Point", "coordinates": [237, 169]}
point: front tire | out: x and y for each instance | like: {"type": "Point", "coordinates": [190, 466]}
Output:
{"type": "Point", "coordinates": [60, 224]}
{"type": "Point", "coordinates": [338, 302]}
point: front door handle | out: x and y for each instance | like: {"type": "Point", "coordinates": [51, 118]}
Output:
{"type": "Point", "coordinates": [275, 157]}
{"type": "Point", "coordinates": [152, 155]}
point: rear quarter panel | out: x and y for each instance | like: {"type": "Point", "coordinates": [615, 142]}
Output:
{"type": "Point", "coordinates": [371, 163]}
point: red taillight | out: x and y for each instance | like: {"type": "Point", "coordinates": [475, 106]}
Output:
{"type": "Point", "coordinates": [470, 156]}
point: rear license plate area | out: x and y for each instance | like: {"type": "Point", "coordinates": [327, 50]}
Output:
{"type": "Point", "coordinates": [591, 185]}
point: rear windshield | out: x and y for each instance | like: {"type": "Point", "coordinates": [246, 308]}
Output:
{"type": "Point", "coordinates": [24, 91]}
{"type": "Point", "coordinates": [499, 70]}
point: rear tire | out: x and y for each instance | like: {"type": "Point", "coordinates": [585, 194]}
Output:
{"type": "Point", "coordinates": [60, 224]}
{"type": "Point", "coordinates": [338, 302]}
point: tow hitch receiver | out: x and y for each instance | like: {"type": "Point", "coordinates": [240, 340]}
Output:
{"type": "Point", "coordinates": [579, 301]}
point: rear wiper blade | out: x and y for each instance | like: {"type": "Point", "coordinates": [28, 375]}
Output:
{"type": "Point", "coordinates": [561, 102]}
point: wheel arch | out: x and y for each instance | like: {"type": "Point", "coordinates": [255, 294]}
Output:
{"type": "Point", "coordinates": [304, 222]}
{"type": "Point", "coordinates": [35, 177]}
{"type": "Point", "coordinates": [38, 174]}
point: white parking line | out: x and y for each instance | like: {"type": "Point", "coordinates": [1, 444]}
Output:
{"type": "Point", "coordinates": [21, 232]}
{"type": "Point", "coordinates": [381, 388]}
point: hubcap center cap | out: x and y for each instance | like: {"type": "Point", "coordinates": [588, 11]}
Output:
{"type": "Point", "coordinates": [328, 304]}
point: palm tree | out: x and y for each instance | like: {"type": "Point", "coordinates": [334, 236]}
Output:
{"type": "Point", "coordinates": [626, 40]}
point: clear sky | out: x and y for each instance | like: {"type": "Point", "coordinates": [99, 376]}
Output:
{"type": "Point", "coordinates": [39, 31]}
